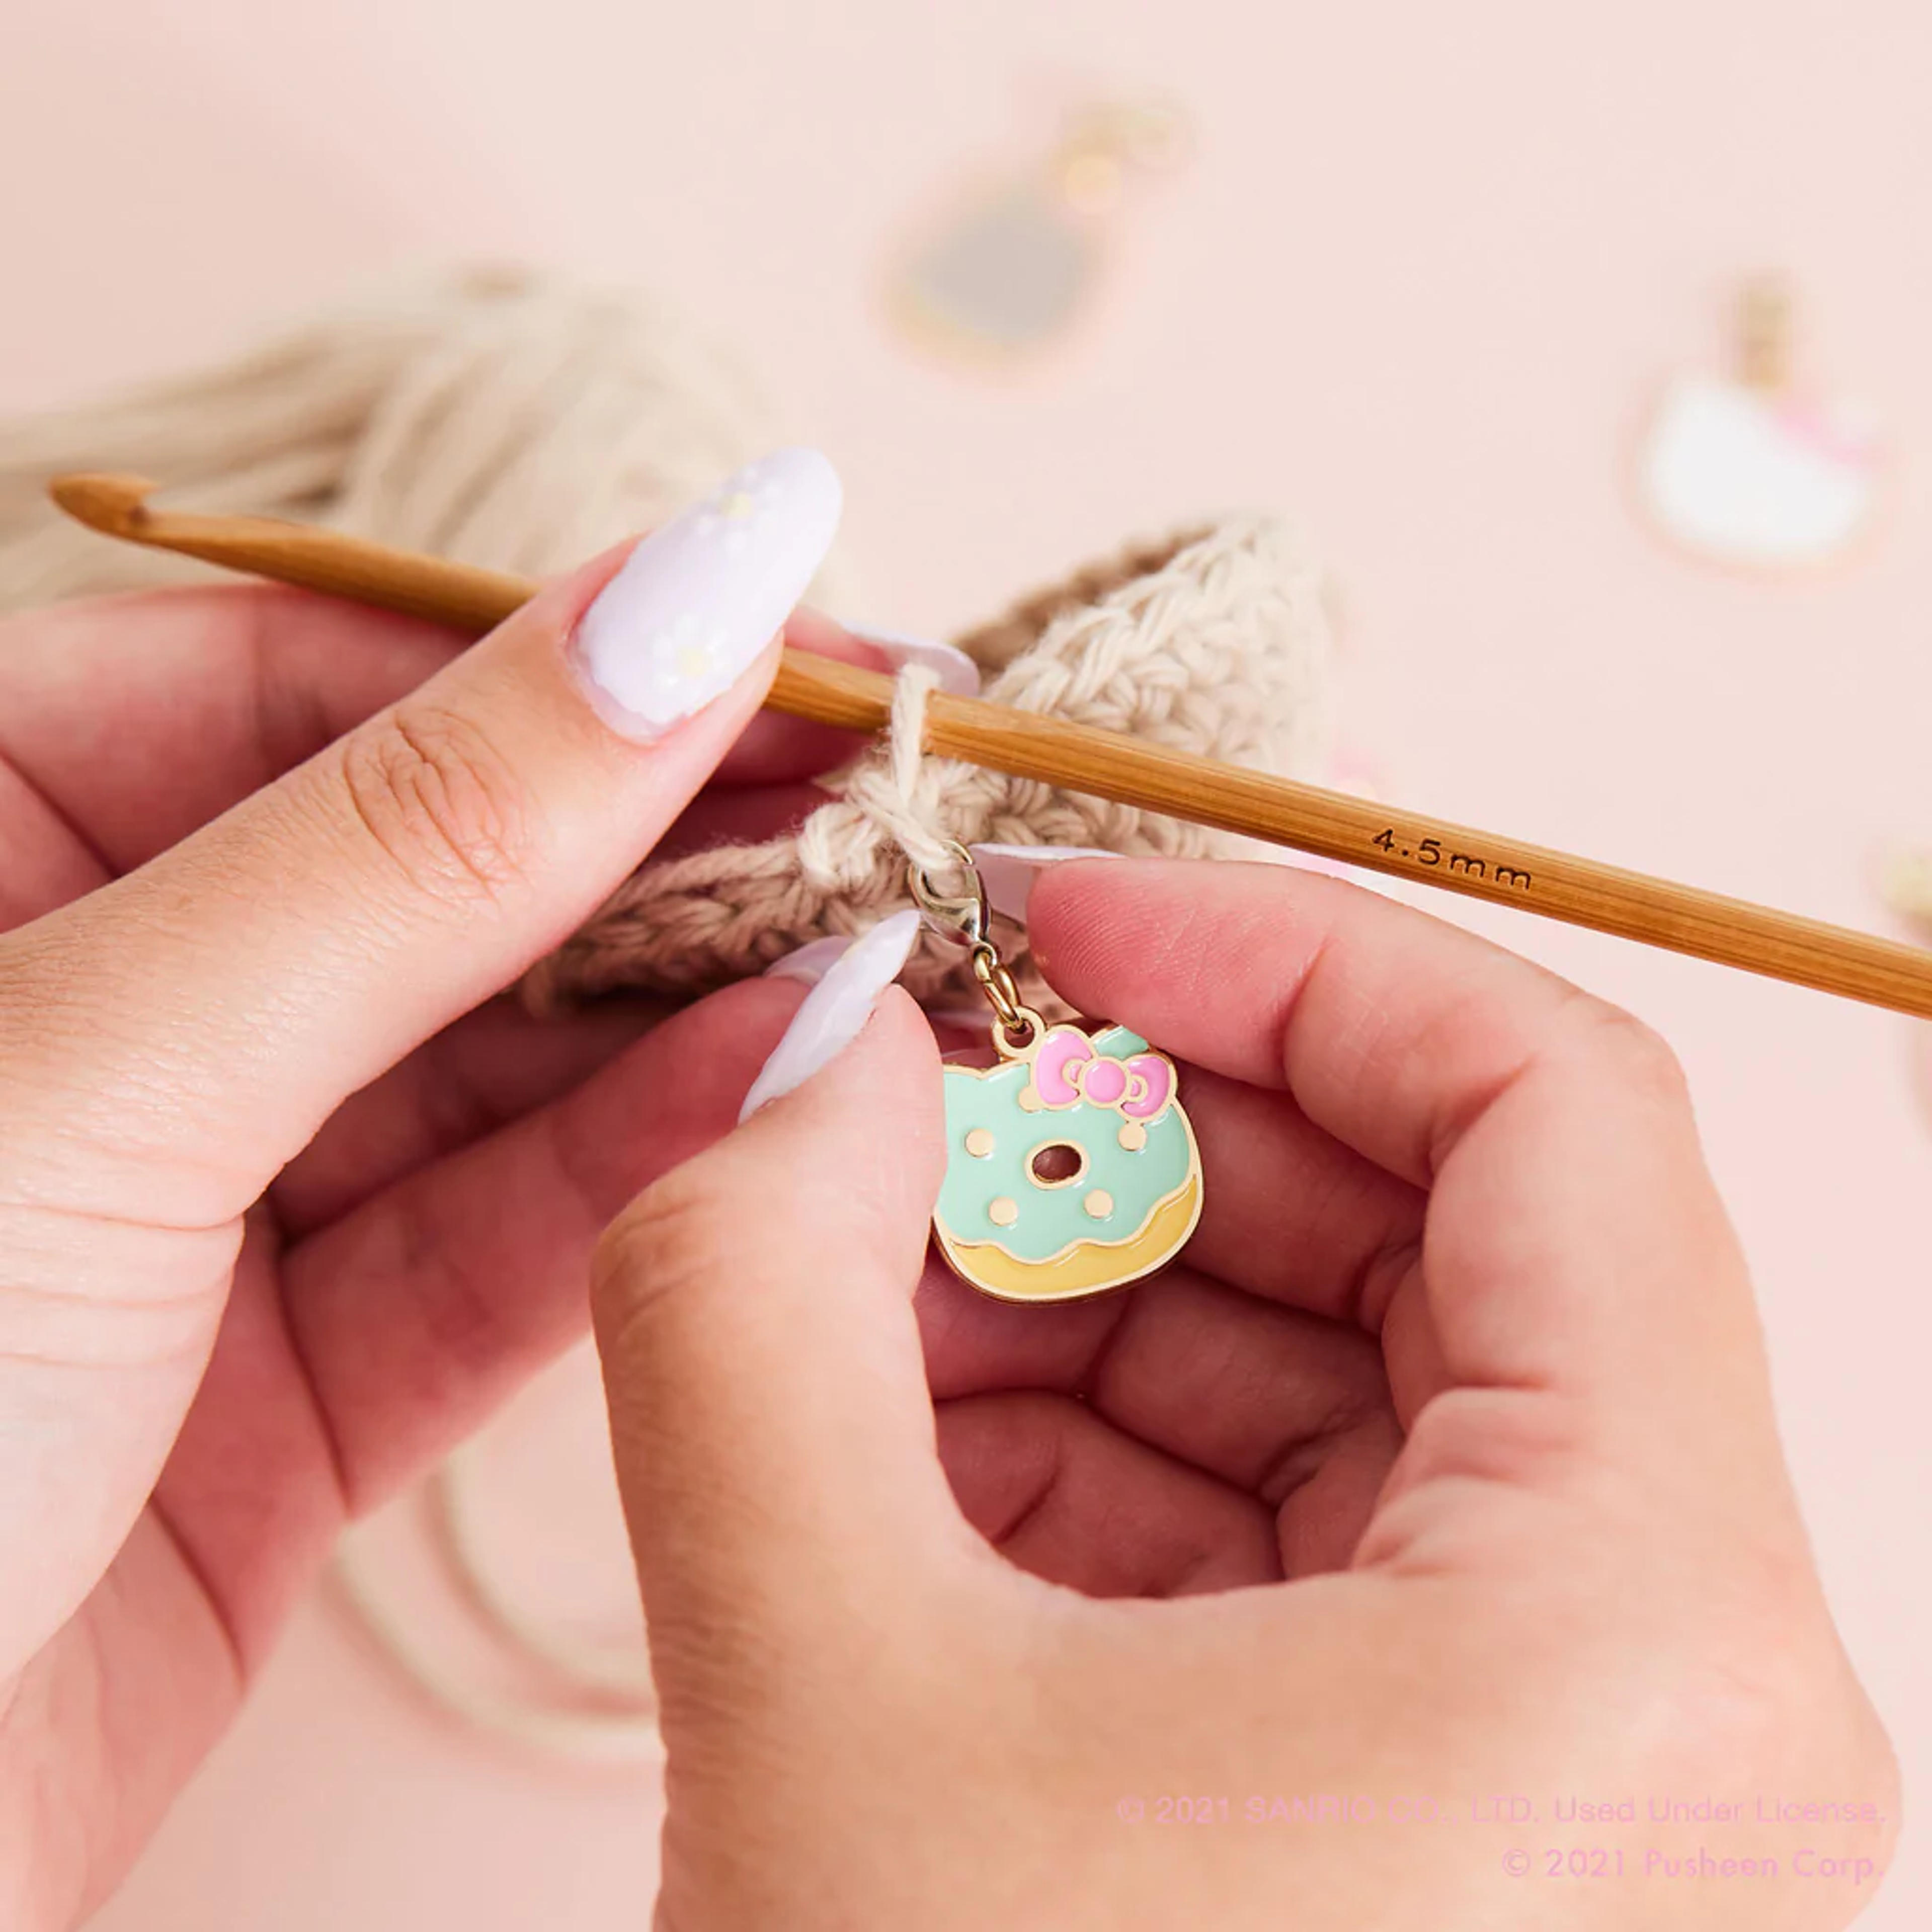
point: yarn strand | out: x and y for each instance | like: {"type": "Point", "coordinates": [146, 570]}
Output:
{"type": "Point", "coordinates": [895, 796]}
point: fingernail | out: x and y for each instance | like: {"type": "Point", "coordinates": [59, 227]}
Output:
{"type": "Point", "coordinates": [835, 1009]}
{"type": "Point", "coordinates": [1007, 871]}
{"type": "Point", "coordinates": [956, 672]}
{"type": "Point", "coordinates": [699, 600]}
{"type": "Point", "coordinates": [812, 961]}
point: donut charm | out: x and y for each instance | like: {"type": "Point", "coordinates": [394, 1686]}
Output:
{"type": "Point", "coordinates": [1071, 1168]}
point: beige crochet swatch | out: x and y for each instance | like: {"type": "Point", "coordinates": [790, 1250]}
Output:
{"type": "Point", "coordinates": [1214, 641]}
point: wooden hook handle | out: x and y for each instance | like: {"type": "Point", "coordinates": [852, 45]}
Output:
{"type": "Point", "coordinates": [1103, 764]}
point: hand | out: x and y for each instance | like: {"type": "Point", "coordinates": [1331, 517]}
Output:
{"type": "Point", "coordinates": [1442, 1469]}
{"type": "Point", "coordinates": [278, 1225]}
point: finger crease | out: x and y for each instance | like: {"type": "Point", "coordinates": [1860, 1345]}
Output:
{"type": "Point", "coordinates": [63, 821]}
{"type": "Point", "coordinates": [1378, 1279]}
{"type": "Point", "coordinates": [1030, 1511]}
{"type": "Point", "coordinates": [1297, 1464]}
{"type": "Point", "coordinates": [1087, 1388]}
{"type": "Point", "coordinates": [217, 1607]}
{"type": "Point", "coordinates": [1289, 1009]}
{"type": "Point", "coordinates": [335, 1460]}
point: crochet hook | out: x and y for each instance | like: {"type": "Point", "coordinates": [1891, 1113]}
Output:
{"type": "Point", "coordinates": [1104, 764]}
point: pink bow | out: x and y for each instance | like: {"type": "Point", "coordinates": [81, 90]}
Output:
{"type": "Point", "coordinates": [1066, 1069]}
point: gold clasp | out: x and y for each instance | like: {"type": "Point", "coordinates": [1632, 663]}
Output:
{"type": "Point", "coordinates": [962, 916]}
{"type": "Point", "coordinates": [965, 917]}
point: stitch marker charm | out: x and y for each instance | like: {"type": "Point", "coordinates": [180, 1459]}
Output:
{"type": "Point", "coordinates": [1071, 1167]}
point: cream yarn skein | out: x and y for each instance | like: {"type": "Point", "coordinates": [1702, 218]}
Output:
{"type": "Point", "coordinates": [491, 414]}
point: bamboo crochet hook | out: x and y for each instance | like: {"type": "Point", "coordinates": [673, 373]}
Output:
{"type": "Point", "coordinates": [1104, 764]}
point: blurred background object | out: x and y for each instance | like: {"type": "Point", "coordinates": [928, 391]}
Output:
{"type": "Point", "coordinates": [1753, 469]}
{"type": "Point", "coordinates": [1415, 270]}
{"type": "Point", "coordinates": [1007, 267]}
{"type": "Point", "coordinates": [1908, 881]}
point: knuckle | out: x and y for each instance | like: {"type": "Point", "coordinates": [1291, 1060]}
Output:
{"type": "Point", "coordinates": [1769, 1684]}
{"type": "Point", "coordinates": [440, 800]}
{"type": "Point", "coordinates": [1641, 1058]}
{"type": "Point", "coordinates": [665, 1241]}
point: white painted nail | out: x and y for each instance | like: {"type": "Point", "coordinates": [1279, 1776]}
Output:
{"type": "Point", "coordinates": [836, 1008]}
{"type": "Point", "coordinates": [1007, 871]}
{"type": "Point", "coordinates": [812, 961]}
{"type": "Point", "coordinates": [955, 671]}
{"type": "Point", "coordinates": [697, 600]}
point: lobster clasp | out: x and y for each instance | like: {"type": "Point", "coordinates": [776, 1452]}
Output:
{"type": "Point", "coordinates": [958, 909]}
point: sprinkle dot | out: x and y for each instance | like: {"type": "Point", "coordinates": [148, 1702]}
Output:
{"type": "Point", "coordinates": [1099, 1203]}
{"type": "Point", "coordinates": [979, 1143]}
{"type": "Point", "coordinates": [1029, 1100]}
{"type": "Point", "coordinates": [1003, 1212]}
{"type": "Point", "coordinates": [1133, 1136]}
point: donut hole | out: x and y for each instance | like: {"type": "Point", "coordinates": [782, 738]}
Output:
{"type": "Point", "coordinates": [1056, 1164]}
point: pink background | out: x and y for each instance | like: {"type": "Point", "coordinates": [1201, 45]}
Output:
{"type": "Point", "coordinates": [1416, 285]}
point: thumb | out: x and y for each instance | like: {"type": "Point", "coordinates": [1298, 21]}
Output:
{"type": "Point", "coordinates": [773, 1432]}
{"type": "Point", "coordinates": [206, 1013]}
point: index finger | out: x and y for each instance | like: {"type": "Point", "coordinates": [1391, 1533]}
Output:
{"type": "Point", "coordinates": [140, 718]}
{"type": "Point", "coordinates": [1573, 1237]}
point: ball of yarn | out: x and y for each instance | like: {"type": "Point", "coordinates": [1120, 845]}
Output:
{"type": "Point", "coordinates": [498, 416]}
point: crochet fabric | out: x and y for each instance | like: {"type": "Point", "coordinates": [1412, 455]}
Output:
{"type": "Point", "coordinates": [1214, 642]}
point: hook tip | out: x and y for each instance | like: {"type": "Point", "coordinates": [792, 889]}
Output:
{"type": "Point", "coordinates": [113, 503]}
